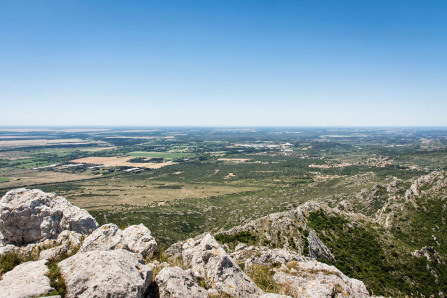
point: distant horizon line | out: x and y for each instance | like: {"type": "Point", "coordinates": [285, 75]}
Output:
{"type": "Point", "coordinates": [222, 126]}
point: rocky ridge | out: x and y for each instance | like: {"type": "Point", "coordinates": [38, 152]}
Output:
{"type": "Point", "coordinates": [105, 261]}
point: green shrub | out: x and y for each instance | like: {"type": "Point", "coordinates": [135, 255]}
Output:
{"type": "Point", "coordinates": [9, 260]}
{"type": "Point", "coordinates": [263, 277]}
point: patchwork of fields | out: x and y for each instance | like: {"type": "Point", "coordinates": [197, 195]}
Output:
{"type": "Point", "coordinates": [182, 182]}
{"type": "Point", "coordinates": [228, 176]}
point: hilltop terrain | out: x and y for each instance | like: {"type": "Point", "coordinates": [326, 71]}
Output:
{"type": "Point", "coordinates": [396, 250]}
{"type": "Point", "coordinates": [368, 201]}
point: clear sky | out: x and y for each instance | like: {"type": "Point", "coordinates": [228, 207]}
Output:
{"type": "Point", "coordinates": [223, 62]}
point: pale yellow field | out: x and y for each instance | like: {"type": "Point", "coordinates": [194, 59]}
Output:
{"type": "Point", "coordinates": [40, 142]}
{"type": "Point", "coordinates": [120, 162]}
{"type": "Point", "coordinates": [113, 193]}
{"type": "Point", "coordinates": [21, 178]}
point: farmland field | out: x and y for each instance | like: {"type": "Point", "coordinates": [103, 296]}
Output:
{"type": "Point", "coordinates": [181, 182]}
{"type": "Point", "coordinates": [209, 178]}
{"type": "Point", "coordinates": [167, 155]}
{"type": "Point", "coordinates": [117, 161]}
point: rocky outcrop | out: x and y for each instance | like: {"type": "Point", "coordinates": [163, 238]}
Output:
{"type": "Point", "coordinates": [21, 250]}
{"type": "Point", "coordinates": [3, 242]}
{"type": "Point", "coordinates": [317, 249]}
{"type": "Point", "coordinates": [139, 239]}
{"type": "Point", "coordinates": [430, 253]}
{"type": "Point", "coordinates": [54, 252]}
{"type": "Point", "coordinates": [177, 283]}
{"type": "Point", "coordinates": [29, 216]}
{"type": "Point", "coordinates": [219, 271]}
{"type": "Point", "coordinates": [112, 273]}
{"type": "Point", "coordinates": [261, 255]}
{"type": "Point", "coordinates": [315, 279]}
{"type": "Point", "coordinates": [135, 238]}
{"type": "Point", "coordinates": [288, 230]}
{"type": "Point", "coordinates": [300, 276]}
{"type": "Point", "coordinates": [109, 262]}
{"type": "Point", "coordinates": [26, 280]}
{"type": "Point", "coordinates": [69, 238]}
{"type": "Point", "coordinates": [106, 237]}
{"type": "Point", "coordinates": [66, 243]}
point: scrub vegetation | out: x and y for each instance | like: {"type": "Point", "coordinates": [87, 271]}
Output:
{"type": "Point", "coordinates": [181, 182]}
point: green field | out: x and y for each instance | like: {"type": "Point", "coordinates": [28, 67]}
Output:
{"type": "Point", "coordinates": [167, 155]}
{"type": "Point", "coordinates": [3, 179]}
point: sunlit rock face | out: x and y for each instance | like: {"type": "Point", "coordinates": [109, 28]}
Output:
{"type": "Point", "coordinates": [29, 216]}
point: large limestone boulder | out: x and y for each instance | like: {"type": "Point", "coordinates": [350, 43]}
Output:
{"type": "Point", "coordinates": [210, 261]}
{"type": "Point", "coordinates": [29, 216]}
{"type": "Point", "coordinates": [106, 237]}
{"type": "Point", "coordinates": [112, 273]}
{"type": "Point", "coordinates": [136, 238]}
{"type": "Point", "coordinates": [177, 283]}
{"type": "Point", "coordinates": [26, 280]}
{"type": "Point", "coordinates": [139, 239]}
{"type": "Point", "coordinates": [315, 279]}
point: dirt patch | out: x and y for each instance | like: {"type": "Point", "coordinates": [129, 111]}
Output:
{"type": "Point", "coordinates": [120, 162]}
{"type": "Point", "coordinates": [229, 176]}
{"type": "Point", "coordinates": [24, 178]}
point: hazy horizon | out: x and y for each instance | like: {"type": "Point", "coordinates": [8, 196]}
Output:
{"type": "Point", "coordinates": [223, 64]}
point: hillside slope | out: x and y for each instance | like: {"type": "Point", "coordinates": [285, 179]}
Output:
{"type": "Point", "coordinates": [392, 236]}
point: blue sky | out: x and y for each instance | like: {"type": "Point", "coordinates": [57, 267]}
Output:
{"type": "Point", "coordinates": [219, 63]}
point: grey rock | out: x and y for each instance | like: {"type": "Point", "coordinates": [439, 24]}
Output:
{"type": "Point", "coordinates": [26, 280]}
{"type": "Point", "coordinates": [430, 253]}
{"type": "Point", "coordinates": [106, 237]}
{"type": "Point", "coordinates": [3, 242]}
{"type": "Point", "coordinates": [21, 250]}
{"type": "Point", "coordinates": [317, 249]}
{"type": "Point", "coordinates": [213, 293]}
{"type": "Point", "coordinates": [9, 248]}
{"type": "Point", "coordinates": [54, 252]}
{"type": "Point", "coordinates": [240, 246]}
{"type": "Point", "coordinates": [112, 273]}
{"type": "Point", "coordinates": [71, 238]}
{"type": "Point", "coordinates": [267, 257]}
{"type": "Point", "coordinates": [315, 279]}
{"type": "Point", "coordinates": [206, 257]}
{"type": "Point", "coordinates": [29, 216]}
{"type": "Point", "coordinates": [175, 249]}
{"type": "Point", "coordinates": [136, 238]}
{"type": "Point", "coordinates": [177, 283]}
{"type": "Point", "coordinates": [139, 239]}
